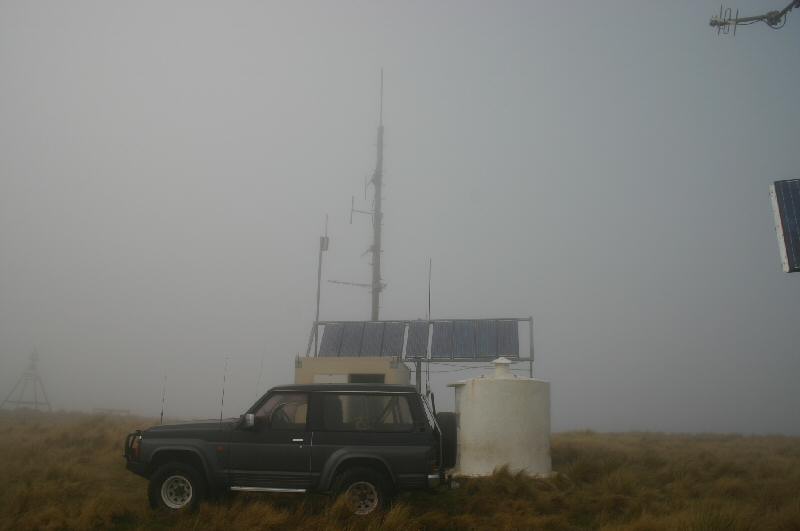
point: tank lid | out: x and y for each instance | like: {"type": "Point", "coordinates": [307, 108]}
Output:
{"type": "Point", "coordinates": [502, 368]}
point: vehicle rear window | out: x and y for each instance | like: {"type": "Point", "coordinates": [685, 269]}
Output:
{"type": "Point", "coordinates": [366, 412]}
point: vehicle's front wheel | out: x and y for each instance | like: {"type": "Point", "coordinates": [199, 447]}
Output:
{"type": "Point", "coordinates": [175, 486]}
{"type": "Point", "coordinates": [365, 490]}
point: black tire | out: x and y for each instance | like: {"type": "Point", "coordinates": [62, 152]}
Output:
{"type": "Point", "coordinates": [448, 422]}
{"type": "Point", "coordinates": [366, 489]}
{"type": "Point", "coordinates": [176, 486]}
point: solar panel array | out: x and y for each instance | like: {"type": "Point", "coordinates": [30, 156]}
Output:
{"type": "Point", "coordinates": [786, 203]}
{"type": "Point", "coordinates": [417, 344]}
{"type": "Point", "coordinates": [393, 335]}
{"type": "Point", "coordinates": [331, 340]}
{"type": "Point", "coordinates": [458, 339]}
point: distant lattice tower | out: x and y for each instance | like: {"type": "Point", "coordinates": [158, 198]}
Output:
{"type": "Point", "coordinates": [30, 378]}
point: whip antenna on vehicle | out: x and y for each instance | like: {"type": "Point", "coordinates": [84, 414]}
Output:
{"type": "Point", "coordinates": [224, 379]}
{"type": "Point", "coordinates": [260, 372]}
{"type": "Point", "coordinates": [163, 398]}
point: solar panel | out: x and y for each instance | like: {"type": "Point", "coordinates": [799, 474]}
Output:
{"type": "Point", "coordinates": [351, 338]}
{"type": "Point", "coordinates": [442, 341]}
{"type": "Point", "coordinates": [417, 344]}
{"type": "Point", "coordinates": [785, 197]}
{"type": "Point", "coordinates": [487, 339]}
{"type": "Point", "coordinates": [372, 339]}
{"type": "Point", "coordinates": [393, 339]}
{"type": "Point", "coordinates": [464, 333]}
{"type": "Point", "coordinates": [463, 339]}
{"type": "Point", "coordinates": [331, 340]}
{"type": "Point", "coordinates": [508, 338]}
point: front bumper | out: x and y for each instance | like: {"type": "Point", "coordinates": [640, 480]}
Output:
{"type": "Point", "coordinates": [137, 467]}
{"type": "Point", "coordinates": [434, 480]}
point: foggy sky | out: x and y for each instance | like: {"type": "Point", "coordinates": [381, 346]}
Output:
{"type": "Point", "coordinates": [166, 168]}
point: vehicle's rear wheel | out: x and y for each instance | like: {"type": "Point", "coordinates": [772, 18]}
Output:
{"type": "Point", "coordinates": [365, 490]}
{"type": "Point", "coordinates": [176, 486]}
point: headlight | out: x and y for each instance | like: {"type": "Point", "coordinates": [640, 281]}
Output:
{"type": "Point", "coordinates": [136, 446]}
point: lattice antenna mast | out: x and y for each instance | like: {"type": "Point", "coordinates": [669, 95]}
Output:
{"type": "Point", "coordinates": [29, 377]}
{"type": "Point", "coordinates": [376, 285]}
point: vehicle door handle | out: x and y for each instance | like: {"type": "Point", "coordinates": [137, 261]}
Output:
{"type": "Point", "coordinates": [298, 440]}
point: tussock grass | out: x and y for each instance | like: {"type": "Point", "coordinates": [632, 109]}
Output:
{"type": "Point", "coordinates": [65, 471]}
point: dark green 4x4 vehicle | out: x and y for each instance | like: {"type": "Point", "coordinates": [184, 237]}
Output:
{"type": "Point", "coordinates": [366, 441]}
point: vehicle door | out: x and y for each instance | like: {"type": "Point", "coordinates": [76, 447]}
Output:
{"type": "Point", "coordinates": [372, 424]}
{"type": "Point", "coordinates": [275, 453]}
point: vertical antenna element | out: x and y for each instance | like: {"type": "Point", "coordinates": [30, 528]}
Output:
{"type": "Point", "coordinates": [323, 246]}
{"type": "Point", "coordinates": [377, 220]}
{"type": "Point", "coordinates": [430, 266]}
{"type": "Point", "coordinates": [260, 372]}
{"type": "Point", "coordinates": [163, 398]}
{"type": "Point", "coordinates": [224, 379]}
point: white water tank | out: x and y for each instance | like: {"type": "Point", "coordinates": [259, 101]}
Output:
{"type": "Point", "coordinates": [502, 420]}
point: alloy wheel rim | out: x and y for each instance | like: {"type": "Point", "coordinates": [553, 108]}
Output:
{"type": "Point", "coordinates": [176, 492]}
{"type": "Point", "coordinates": [362, 497]}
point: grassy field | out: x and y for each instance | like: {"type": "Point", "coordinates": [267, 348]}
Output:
{"type": "Point", "coordinates": [65, 471]}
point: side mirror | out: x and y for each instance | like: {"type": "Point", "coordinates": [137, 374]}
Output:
{"type": "Point", "coordinates": [249, 420]}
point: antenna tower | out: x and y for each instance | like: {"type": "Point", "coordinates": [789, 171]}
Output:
{"type": "Point", "coordinates": [376, 286]}
{"type": "Point", "coordinates": [29, 377]}
{"type": "Point", "coordinates": [377, 218]}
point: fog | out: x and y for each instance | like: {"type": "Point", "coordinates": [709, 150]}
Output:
{"type": "Point", "coordinates": [166, 169]}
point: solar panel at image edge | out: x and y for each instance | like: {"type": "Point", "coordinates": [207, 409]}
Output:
{"type": "Point", "coordinates": [787, 195]}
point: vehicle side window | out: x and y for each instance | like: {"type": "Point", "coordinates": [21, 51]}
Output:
{"type": "Point", "coordinates": [366, 412]}
{"type": "Point", "coordinates": [284, 411]}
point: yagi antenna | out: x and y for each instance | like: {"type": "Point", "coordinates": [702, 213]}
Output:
{"type": "Point", "coordinates": [726, 19]}
{"type": "Point", "coordinates": [356, 284]}
{"type": "Point", "coordinates": [353, 209]}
